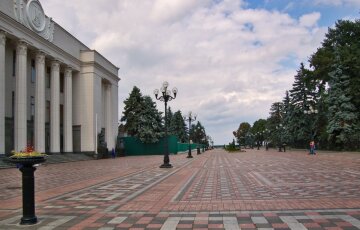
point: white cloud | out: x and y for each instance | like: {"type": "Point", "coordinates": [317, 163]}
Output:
{"type": "Point", "coordinates": [164, 10]}
{"type": "Point", "coordinates": [227, 61]}
{"type": "Point", "coordinates": [309, 20]}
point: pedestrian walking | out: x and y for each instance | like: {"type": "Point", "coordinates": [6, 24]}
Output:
{"type": "Point", "coordinates": [312, 148]}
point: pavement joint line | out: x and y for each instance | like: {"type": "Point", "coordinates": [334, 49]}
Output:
{"type": "Point", "coordinates": [183, 188]}
{"type": "Point", "coordinates": [351, 220]}
{"type": "Point", "coordinates": [263, 179]}
{"type": "Point", "coordinates": [107, 181]}
{"type": "Point", "coordinates": [292, 223]}
{"type": "Point", "coordinates": [170, 223]}
{"type": "Point", "coordinates": [266, 211]}
{"type": "Point", "coordinates": [230, 223]}
{"type": "Point", "coordinates": [137, 193]}
{"type": "Point", "coordinates": [97, 184]}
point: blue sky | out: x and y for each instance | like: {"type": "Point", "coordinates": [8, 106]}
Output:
{"type": "Point", "coordinates": [229, 59]}
{"type": "Point", "coordinates": [330, 11]}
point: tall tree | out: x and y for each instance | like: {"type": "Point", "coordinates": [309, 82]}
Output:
{"type": "Point", "coordinates": [150, 122]}
{"type": "Point", "coordinates": [142, 118]}
{"type": "Point", "coordinates": [198, 134]}
{"type": "Point", "coordinates": [303, 96]}
{"type": "Point", "coordinates": [343, 116]}
{"type": "Point", "coordinates": [242, 132]}
{"type": "Point", "coordinates": [178, 126]}
{"type": "Point", "coordinates": [132, 110]}
{"type": "Point", "coordinates": [338, 57]}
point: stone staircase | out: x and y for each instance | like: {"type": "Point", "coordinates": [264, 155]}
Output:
{"type": "Point", "coordinates": [53, 159]}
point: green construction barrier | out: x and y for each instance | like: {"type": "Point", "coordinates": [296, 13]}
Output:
{"type": "Point", "coordinates": [182, 147]}
{"type": "Point", "coordinates": [134, 147]}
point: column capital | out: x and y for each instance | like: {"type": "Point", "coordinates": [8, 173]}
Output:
{"type": "Point", "coordinates": [2, 38]}
{"type": "Point", "coordinates": [68, 71]}
{"type": "Point", "coordinates": [55, 64]}
{"type": "Point", "coordinates": [40, 57]}
{"type": "Point", "coordinates": [22, 47]}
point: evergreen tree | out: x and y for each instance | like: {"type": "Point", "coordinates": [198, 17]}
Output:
{"type": "Point", "coordinates": [169, 117]}
{"type": "Point", "coordinates": [132, 111]}
{"type": "Point", "coordinates": [198, 134]}
{"type": "Point", "coordinates": [338, 56]}
{"type": "Point", "coordinates": [275, 121]}
{"type": "Point", "coordinates": [150, 122]}
{"type": "Point", "coordinates": [303, 96]}
{"type": "Point", "coordinates": [142, 118]}
{"type": "Point", "coordinates": [288, 110]}
{"type": "Point", "coordinates": [343, 116]}
{"type": "Point", "coordinates": [178, 127]}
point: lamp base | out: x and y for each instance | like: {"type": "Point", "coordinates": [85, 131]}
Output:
{"type": "Point", "coordinates": [168, 165]}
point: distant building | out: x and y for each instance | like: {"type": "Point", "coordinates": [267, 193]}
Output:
{"type": "Point", "coordinates": [55, 92]}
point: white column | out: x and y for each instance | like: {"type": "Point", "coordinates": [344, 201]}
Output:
{"type": "Point", "coordinates": [40, 103]}
{"type": "Point", "coordinates": [55, 108]}
{"type": "Point", "coordinates": [108, 117]}
{"type": "Point", "coordinates": [68, 134]}
{"type": "Point", "coordinates": [2, 92]}
{"type": "Point", "coordinates": [20, 97]}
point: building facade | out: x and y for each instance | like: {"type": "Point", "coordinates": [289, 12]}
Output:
{"type": "Point", "coordinates": [55, 92]}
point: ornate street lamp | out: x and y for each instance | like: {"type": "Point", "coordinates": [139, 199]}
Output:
{"type": "Point", "coordinates": [190, 118]}
{"type": "Point", "coordinates": [165, 97]}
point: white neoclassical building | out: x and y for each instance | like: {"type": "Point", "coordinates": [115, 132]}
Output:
{"type": "Point", "coordinates": [55, 92]}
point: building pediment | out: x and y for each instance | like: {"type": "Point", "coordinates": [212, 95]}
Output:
{"type": "Point", "coordinates": [31, 14]}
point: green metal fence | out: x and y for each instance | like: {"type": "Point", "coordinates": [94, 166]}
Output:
{"type": "Point", "coordinates": [133, 146]}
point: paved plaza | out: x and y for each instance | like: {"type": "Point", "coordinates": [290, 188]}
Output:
{"type": "Point", "coordinates": [255, 189]}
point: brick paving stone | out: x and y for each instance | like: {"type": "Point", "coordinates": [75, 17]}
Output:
{"type": "Point", "coordinates": [214, 190]}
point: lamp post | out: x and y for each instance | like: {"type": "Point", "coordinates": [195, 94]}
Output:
{"type": "Point", "coordinates": [190, 118]}
{"type": "Point", "coordinates": [165, 97]}
{"type": "Point", "coordinates": [279, 128]}
{"type": "Point", "coordinates": [258, 138]}
{"type": "Point", "coordinates": [310, 111]}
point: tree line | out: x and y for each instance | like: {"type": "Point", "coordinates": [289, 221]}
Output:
{"type": "Point", "coordinates": [324, 102]}
{"type": "Point", "coordinates": [144, 121]}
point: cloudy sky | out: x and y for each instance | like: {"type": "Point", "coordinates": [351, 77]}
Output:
{"type": "Point", "coordinates": [229, 59]}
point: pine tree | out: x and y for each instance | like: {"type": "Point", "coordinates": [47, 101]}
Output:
{"type": "Point", "coordinates": [132, 110]}
{"type": "Point", "coordinates": [150, 122]}
{"type": "Point", "coordinates": [303, 96]}
{"type": "Point", "coordinates": [142, 118]}
{"type": "Point", "coordinates": [178, 126]}
{"type": "Point", "coordinates": [343, 117]}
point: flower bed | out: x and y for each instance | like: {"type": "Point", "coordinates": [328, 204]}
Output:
{"type": "Point", "coordinates": [28, 152]}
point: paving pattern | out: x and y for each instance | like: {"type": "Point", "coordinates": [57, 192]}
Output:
{"type": "Point", "coordinates": [215, 190]}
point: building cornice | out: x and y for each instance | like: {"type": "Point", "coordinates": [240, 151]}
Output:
{"type": "Point", "coordinates": [16, 26]}
{"type": "Point", "coordinates": [100, 67]}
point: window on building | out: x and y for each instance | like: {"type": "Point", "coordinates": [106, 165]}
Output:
{"type": "Point", "coordinates": [47, 111]}
{"type": "Point", "coordinates": [14, 63]}
{"type": "Point", "coordinates": [48, 77]}
{"type": "Point", "coordinates": [33, 71]}
{"type": "Point", "coordinates": [61, 82]}
{"type": "Point", "coordinates": [32, 107]}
